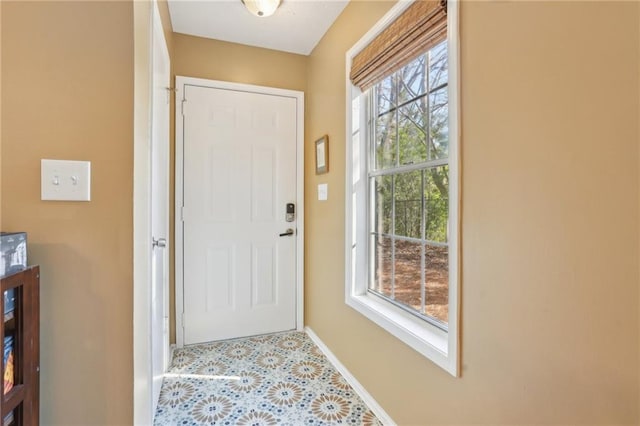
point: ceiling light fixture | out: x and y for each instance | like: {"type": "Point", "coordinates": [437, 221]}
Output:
{"type": "Point", "coordinates": [261, 8]}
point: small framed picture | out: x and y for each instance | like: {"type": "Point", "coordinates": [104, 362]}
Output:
{"type": "Point", "coordinates": [322, 155]}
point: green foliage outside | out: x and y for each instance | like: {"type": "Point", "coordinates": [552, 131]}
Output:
{"type": "Point", "coordinates": [412, 128]}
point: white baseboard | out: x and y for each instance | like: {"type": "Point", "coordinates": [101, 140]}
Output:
{"type": "Point", "coordinates": [350, 378]}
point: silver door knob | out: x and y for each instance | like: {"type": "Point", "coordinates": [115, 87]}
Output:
{"type": "Point", "coordinates": [160, 242]}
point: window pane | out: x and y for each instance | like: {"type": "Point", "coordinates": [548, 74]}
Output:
{"type": "Point", "coordinates": [438, 65]}
{"type": "Point", "coordinates": [412, 135]}
{"type": "Point", "coordinates": [436, 193]}
{"type": "Point", "coordinates": [412, 80]}
{"type": "Point", "coordinates": [386, 94]}
{"type": "Point", "coordinates": [437, 282]}
{"type": "Point", "coordinates": [386, 128]}
{"type": "Point", "coordinates": [407, 274]}
{"type": "Point", "coordinates": [382, 254]}
{"type": "Point", "coordinates": [439, 122]}
{"type": "Point", "coordinates": [408, 199]}
{"type": "Point", "coordinates": [383, 200]}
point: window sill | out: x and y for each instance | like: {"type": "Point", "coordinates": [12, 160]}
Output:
{"type": "Point", "coordinates": [425, 338]}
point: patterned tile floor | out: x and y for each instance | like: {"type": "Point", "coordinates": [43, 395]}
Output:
{"type": "Point", "coordinates": [278, 379]}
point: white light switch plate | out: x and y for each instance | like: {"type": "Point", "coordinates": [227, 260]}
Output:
{"type": "Point", "coordinates": [323, 191]}
{"type": "Point", "coordinates": [65, 180]}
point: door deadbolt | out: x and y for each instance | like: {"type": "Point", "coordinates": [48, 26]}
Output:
{"type": "Point", "coordinates": [291, 212]}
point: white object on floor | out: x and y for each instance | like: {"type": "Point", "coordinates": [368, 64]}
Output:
{"type": "Point", "coordinates": [350, 378]}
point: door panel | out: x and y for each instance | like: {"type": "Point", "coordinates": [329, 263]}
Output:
{"type": "Point", "coordinates": [263, 289]}
{"type": "Point", "coordinates": [220, 282]}
{"type": "Point", "coordinates": [239, 174]}
{"type": "Point", "coordinates": [263, 185]}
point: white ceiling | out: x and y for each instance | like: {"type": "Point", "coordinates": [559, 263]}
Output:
{"type": "Point", "coordinates": [296, 27]}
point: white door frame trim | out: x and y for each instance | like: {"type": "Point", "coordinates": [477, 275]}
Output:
{"type": "Point", "coordinates": [142, 396]}
{"type": "Point", "coordinates": [181, 82]}
{"type": "Point", "coordinates": [158, 42]}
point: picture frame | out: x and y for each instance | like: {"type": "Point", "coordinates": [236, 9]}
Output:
{"type": "Point", "coordinates": [322, 155]}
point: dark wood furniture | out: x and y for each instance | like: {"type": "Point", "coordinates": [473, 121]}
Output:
{"type": "Point", "coordinates": [19, 405]}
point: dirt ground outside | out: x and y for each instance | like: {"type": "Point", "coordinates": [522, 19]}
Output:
{"type": "Point", "coordinates": [407, 276]}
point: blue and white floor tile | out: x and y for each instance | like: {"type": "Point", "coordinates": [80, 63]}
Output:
{"type": "Point", "coordinates": [278, 379]}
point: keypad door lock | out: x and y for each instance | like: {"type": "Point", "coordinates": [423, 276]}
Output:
{"type": "Point", "coordinates": [291, 212]}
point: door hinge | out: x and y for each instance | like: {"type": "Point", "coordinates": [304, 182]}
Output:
{"type": "Point", "coordinates": [182, 213]}
{"type": "Point", "coordinates": [184, 107]}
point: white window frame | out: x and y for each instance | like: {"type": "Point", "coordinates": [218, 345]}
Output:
{"type": "Point", "coordinates": [438, 345]}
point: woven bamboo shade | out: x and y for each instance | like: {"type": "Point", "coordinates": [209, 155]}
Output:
{"type": "Point", "coordinates": [419, 28]}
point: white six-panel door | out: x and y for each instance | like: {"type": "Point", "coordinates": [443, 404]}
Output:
{"type": "Point", "coordinates": [239, 274]}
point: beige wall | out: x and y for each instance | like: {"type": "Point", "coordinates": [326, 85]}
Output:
{"type": "Point", "coordinates": [67, 74]}
{"type": "Point", "coordinates": [219, 60]}
{"type": "Point", "coordinates": [549, 223]}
